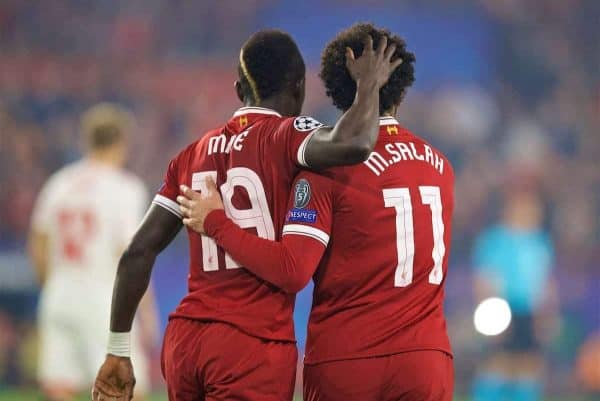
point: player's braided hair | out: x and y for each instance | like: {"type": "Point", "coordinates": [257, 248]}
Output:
{"type": "Point", "coordinates": [269, 61]}
{"type": "Point", "coordinates": [340, 86]}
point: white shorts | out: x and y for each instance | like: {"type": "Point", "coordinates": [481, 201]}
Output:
{"type": "Point", "coordinates": [73, 338]}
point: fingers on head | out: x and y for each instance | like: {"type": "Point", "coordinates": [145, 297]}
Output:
{"type": "Point", "coordinates": [368, 43]}
{"type": "Point", "coordinates": [349, 54]}
{"type": "Point", "coordinates": [396, 63]}
{"type": "Point", "coordinates": [389, 52]}
{"type": "Point", "coordinates": [382, 45]}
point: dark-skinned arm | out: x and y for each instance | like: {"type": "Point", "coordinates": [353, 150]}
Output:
{"type": "Point", "coordinates": [288, 263]}
{"type": "Point", "coordinates": [116, 379]}
{"type": "Point", "coordinates": [353, 137]}
{"type": "Point", "coordinates": [157, 230]}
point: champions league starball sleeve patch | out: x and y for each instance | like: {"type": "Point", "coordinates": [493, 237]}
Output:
{"type": "Point", "coordinates": [305, 123]}
{"type": "Point", "coordinates": [299, 214]}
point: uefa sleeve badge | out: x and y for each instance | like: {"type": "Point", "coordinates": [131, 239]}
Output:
{"type": "Point", "coordinates": [302, 195]}
{"type": "Point", "coordinates": [305, 124]}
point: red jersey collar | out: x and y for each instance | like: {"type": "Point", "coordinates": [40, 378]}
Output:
{"type": "Point", "coordinates": [255, 110]}
{"type": "Point", "coordinates": [388, 120]}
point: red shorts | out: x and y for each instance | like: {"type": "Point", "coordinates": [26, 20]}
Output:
{"type": "Point", "coordinates": [408, 376]}
{"type": "Point", "coordinates": [216, 361]}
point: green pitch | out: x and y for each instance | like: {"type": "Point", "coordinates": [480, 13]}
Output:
{"type": "Point", "coordinates": [28, 395]}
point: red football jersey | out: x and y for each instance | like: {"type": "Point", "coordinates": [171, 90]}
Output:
{"type": "Point", "coordinates": [253, 159]}
{"type": "Point", "coordinates": [386, 224]}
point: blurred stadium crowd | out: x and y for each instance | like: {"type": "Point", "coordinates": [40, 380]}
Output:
{"type": "Point", "coordinates": [529, 118]}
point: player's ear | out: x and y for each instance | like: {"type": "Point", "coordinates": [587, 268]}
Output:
{"type": "Point", "coordinates": [299, 90]}
{"type": "Point", "coordinates": [301, 87]}
{"type": "Point", "coordinates": [295, 91]}
{"type": "Point", "coordinates": [238, 90]}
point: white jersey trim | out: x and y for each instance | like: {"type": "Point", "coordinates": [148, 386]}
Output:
{"type": "Point", "coordinates": [302, 149]}
{"type": "Point", "coordinates": [298, 229]}
{"type": "Point", "coordinates": [388, 121]}
{"type": "Point", "coordinates": [168, 204]}
{"type": "Point", "coordinates": [255, 110]}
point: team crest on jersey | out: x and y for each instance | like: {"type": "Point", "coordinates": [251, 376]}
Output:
{"type": "Point", "coordinates": [392, 130]}
{"type": "Point", "coordinates": [301, 194]}
{"type": "Point", "coordinates": [305, 123]}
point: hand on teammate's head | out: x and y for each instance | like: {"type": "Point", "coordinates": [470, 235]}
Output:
{"type": "Point", "coordinates": [340, 84]}
{"type": "Point", "coordinates": [374, 64]}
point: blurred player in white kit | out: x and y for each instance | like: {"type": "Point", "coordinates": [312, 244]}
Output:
{"type": "Point", "coordinates": [83, 219]}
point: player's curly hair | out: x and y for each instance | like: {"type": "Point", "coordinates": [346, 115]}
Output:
{"type": "Point", "coordinates": [340, 86]}
{"type": "Point", "coordinates": [269, 61]}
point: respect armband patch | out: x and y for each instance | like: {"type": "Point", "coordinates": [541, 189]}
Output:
{"type": "Point", "coordinates": [302, 216]}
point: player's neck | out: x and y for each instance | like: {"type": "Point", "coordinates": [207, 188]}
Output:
{"type": "Point", "coordinates": [105, 158]}
{"type": "Point", "coordinates": [281, 105]}
{"type": "Point", "coordinates": [390, 113]}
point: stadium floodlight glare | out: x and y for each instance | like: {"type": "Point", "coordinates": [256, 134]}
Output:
{"type": "Point", "coordinates": [492, 316]}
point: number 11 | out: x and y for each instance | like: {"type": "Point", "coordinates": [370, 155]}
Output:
{"type": "Point", "coordinates": [399, 199]}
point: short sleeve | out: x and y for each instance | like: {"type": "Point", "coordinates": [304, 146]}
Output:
{"type": "Point", "coordinates": [166, 196]}
{"type": "Point", "coordinates": [42, 209]}
{"type": "Point", "coordinates": [294, 134]}
{"type": "Point", "coordinates": [310, 208]}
